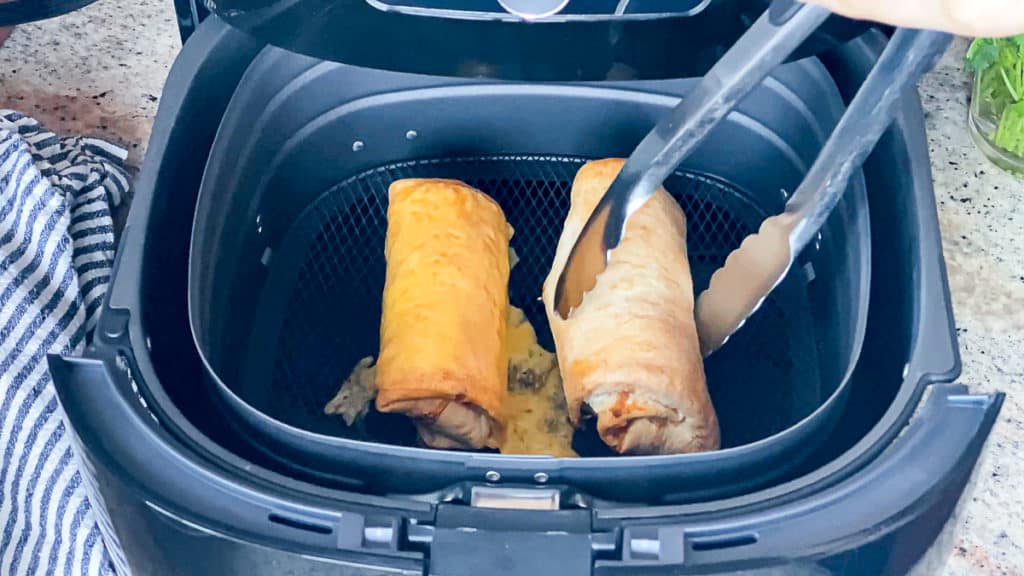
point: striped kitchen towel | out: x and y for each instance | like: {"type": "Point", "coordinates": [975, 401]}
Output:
{"type": "Point", "coordinates": [56, 252]}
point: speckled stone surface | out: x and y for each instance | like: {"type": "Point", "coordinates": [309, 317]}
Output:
{"type": "Point", "coordinates": [96, 72]}
{"type": "Point", "coordinates": [100, 72]}
{"type": "Point", "coordinates": [981, 211]}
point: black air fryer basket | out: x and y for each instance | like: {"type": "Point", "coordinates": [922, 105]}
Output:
{"type": "Point", "coordinates": [241, 474]}
{"type": "Point", "coordinates": [287, 266]}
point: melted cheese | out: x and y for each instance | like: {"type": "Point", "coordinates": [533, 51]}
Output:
{"type": "Point", "coordinates": [538, 420]}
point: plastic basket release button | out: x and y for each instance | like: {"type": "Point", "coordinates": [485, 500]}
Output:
{"type": "Point", "coordinates": [470, 541]}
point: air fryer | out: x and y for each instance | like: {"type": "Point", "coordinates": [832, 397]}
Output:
{"type": "Point", "coordinates": [258, 217]}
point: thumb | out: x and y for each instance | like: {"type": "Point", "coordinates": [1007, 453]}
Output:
{"type": "Point", "coordinates": [966, 17]}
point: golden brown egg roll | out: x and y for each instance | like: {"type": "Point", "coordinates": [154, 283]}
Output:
{"type": "Point", "coordinates": [442, 353]}
{"type": "Point", "coordinates": [630, 351]}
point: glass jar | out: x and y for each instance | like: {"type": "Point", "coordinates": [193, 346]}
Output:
{"type": "Point", "coordinates": [983, 124]}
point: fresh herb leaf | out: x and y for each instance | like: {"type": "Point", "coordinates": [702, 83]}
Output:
{"type": "Point", "coordinates": [998, 64]}
{"type": "Point", "coordinates": [1010, 134]}
{"type": "Point", "coordinates": [983, 53]}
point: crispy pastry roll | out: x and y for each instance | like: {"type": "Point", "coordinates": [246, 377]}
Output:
{"type": "Point", "coordinates": [442, 353]}
{"type": "Point", "coordinates": [630, 352]}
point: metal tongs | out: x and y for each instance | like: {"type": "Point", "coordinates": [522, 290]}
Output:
{"type": "Point", "coordinates": [768, 43]}
{"type": "Point", "coordinates": [752, 271]}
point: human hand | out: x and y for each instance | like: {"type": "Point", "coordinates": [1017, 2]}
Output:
{"type": "Point", "coordinates": [994, 18]}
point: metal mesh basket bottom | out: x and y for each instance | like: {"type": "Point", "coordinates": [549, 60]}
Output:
{"type": "Point", "coordinates": [319, 312]}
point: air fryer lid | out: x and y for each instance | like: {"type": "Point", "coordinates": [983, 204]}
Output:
{"type": "Point", "coordinates": [587, 40]}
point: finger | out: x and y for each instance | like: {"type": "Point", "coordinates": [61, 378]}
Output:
{"type": "Point", "coordinates": [966, 17]}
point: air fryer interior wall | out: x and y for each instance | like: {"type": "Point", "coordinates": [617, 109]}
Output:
{"type": "Point", "coordinates": [275, 198]}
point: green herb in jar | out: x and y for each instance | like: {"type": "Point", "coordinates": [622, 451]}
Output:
{"type": "Point", "coordinates": [999, 66]}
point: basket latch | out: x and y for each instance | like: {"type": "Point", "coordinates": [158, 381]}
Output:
{"type": "Point", "coordinates": [472, 541]}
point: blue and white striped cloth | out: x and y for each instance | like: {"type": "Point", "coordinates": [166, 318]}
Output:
{"type": "Point", "coordinates": [56, 252]}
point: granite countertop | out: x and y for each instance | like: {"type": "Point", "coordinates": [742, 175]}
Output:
{"type": "Point", "coordinates": [96, 72]}
{"type": "Point", "coordinates": [100, 72]}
